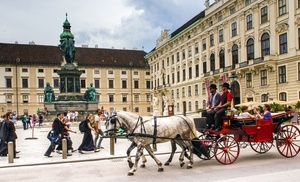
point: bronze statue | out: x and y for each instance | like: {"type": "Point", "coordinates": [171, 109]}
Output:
{"type": "Point", "coordinates": [68, 48]}
{"type": "Point", "coordinates": [49, 93]}
{"type": "Point", "coordinates": [90, 93]}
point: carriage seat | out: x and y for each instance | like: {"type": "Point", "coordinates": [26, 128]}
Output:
{"type": "Point", "coordinates": [200, 124]}
{"type": "Point", "coordinates": [237, 122]}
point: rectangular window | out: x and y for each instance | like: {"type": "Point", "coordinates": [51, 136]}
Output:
{"type": "Point", "coordinates": [111, 98]}
{"type": "Point", "coordinates": [232, 10]}
{"type": "Point", "coordinates": [7, 69]}
{"type": "Point", "coordinates": [197, 70]}
{"type": "Point", "coordinates": [110, 72]}
{"type": "Point", "coordinates": [183, 92]}
{"type": "Point", "coordinates": [220, 18]}
{"type": "Point", "coordinates": [282, 7]}
{"type": "Point", "coordinates": [203, 44]}
{"type": "Point", "coordinates": [249, 21]}
{"type": "Point", "coordinates": [136, 98]}
{"type": "Point", "coordinates": [124, 98]}
{"type": "Point", "coordinates": [24, 70]}
{"type": "Point", "coordinates": [148, 97]}
{"type": "Point", "coordinates": [263, 77]}
{"type": "Point", "coordinates": [196, 48]}
{"type": "Point", "coordinates": [189, 51]}
{"type": "Point", "coordinates": [233, 29]}
{"type": "Point", "coordinates": [24, 83]}
{"type": "Point", "coordinates": [123, 73]}
{"type": "Point", "coordinates": [177, 56]}
{"type": "Point", "coordinates": [137, 73]}
{"type": "Point", "coordinates": [97, 83]}
{"type": "Point", "coordinates": [110, 84]}
{"type": "Point", "coordinates": [282, 74]}
{"type": "Point", "coordinates": [147, 72]}
{"type": "Point", "coordinates": [177, 93]}
{"type": "Point", "coordinates": [299, 69]}
{"type": "Point", "coordinates": [183, 54]}
{"type": "Point", "coordinates": [190, 91]}
{"type": "Point", "coordinates": [56, 83]}
{"type": "Point", "coordinates": [247, 2]}
{"type": "Point", "coordinates": [299, 7]}
{"type": "Point", "coordinates": [248, 80]}
{"type": "Point", "coordinates": [136, 84]}
{"type": "Point", "coordinates": [8, 83]}
{"type": "Point", "coordinates": [148, 84]}
{"type": "Point", "coordinates": [283, 43]}
{"type": "Point", "coordinates": [178, 76]}
{"type": "Point", "coordinates": [211, 39]}
{"type": "Point", "coordinates": [264, 14]}
{"type": "Point", "coordinates": [173, 78]}
{"type": "Point", "coordinates": [136, 109]}
{"type": "Point", "coordinates": [82, 84]}
{"type": "Point", "coordinates": [196, 90]}
{"type": "Point", "coordinates": [183, 75]}
{"type": "Point", "coordinates": [190, 73]}
{"type": "Point", "coordinates": [299, 36]}
{"type": "Point", "coordinates": [221, 35]}
{"type": "Point", "coordinates": [204, 67]}
{"type": "Point", "coordinates": [124, 83]}
{"type": "Point", "coordinates": [203, 88]}
{"type": "Point", "coordinates": [25, 98]}
{"type": "Point", "coordinates": [41, 98]}
{"type": "Point", "coordinates": [41, 83]}
{"type": "Point", "coordinates": [40, 70]}
{"type": "Point", "coordinates": [96, 72]}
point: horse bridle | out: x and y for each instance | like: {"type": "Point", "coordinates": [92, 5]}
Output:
{"type": "Point", "coordinates": [113, 120]}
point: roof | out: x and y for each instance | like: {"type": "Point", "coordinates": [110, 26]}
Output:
{"type": "Point", "coordinates": [52, 55]}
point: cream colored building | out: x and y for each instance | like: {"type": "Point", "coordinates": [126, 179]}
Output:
{"type": "Point", "coordinates": [120, 76]}
{"type": "Point", "coordinates": [256, 40]}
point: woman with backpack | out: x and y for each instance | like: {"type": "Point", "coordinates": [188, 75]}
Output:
{"type": "Point", "coordinates": [87, 141]}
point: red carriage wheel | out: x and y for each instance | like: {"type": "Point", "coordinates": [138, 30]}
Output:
{"type": "Point", "coordinates": [261, 147]}
{"type": "Point", "coordinates": [208, 141]}
{"type": "Point", "coordinates": [288, 141]}
{"type": "Point", "coordinates": [226, 150]}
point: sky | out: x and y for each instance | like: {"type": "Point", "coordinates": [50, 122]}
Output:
{"type": "Point", "coordinates": [104, 23]}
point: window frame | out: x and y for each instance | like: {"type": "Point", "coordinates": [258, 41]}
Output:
{"type": "Point", "coordinates": [249, 21]}
{"type": "Point", "coordinates": [250, 49]}
{"type": "Point", "coordinates": [282, 74]}
{"type": "Point", "coordinates": [234, 29]}
{"type": "Point", "coordinates": [265, 44]}
{"type": "Point", "coordinates": [283, 43]}
{"type": "Point", "coordinates": [264, 14]}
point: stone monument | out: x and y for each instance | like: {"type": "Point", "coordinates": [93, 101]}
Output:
{"type": "Point", "coordinates": [70, 97]}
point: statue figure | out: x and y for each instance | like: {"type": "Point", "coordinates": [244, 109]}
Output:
{"type": "Point", "coordinates": [165, 98]}
{"type": "Point", "coordinates": [49, 93]}
{"type": "Point", "coordinates": [68, 48]}
{"type": "Point", "coordinates": [206, 3]}
{"type": "Point", "coordinates": [90, 93]}
{"type": "Point", "coordinates": [155, 102]}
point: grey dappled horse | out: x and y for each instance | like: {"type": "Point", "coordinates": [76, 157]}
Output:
{"type": "Point", "coordinates": [179, 129]}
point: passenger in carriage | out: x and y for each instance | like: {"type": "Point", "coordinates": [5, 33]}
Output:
{"type": "Point", "coordinates": [212, 103]}
{"type": "Point", "coordinates": [267, 112]}
{"type": "Point", "coordinates": [245, 113]}
{"type": "Point", "coordinates": [221, 108]}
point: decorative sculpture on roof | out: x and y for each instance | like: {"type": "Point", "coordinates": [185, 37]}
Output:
{"type": "Point", "coordinates": [206, 3]}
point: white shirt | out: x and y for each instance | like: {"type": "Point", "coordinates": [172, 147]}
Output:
{"type": "Point", "coordinates": [97, 119]}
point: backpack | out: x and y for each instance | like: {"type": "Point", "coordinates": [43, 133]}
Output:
{"type": "Point", "coordinates": [82, 126]}
{"type": "Point", "coordinates": [3, 130]}
{"type": "Point", "coordinates": [52, 136]}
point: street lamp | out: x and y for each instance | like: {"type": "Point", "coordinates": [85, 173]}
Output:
{"type": "Point", "coordinates": [131, 65]}
{"type": "Point", "coordinates": [233, 78]}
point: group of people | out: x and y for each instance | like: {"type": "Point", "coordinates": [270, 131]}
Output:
{"type": "Point", "coordinates": [61, 129]}
{"type": "Point", "coordinates": [8, 134]}
{"type": "Point", "coordinates": [71, 115]}
{"type": "Point", "coordinates": [218, 104]}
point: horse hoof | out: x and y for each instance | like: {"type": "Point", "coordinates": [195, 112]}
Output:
{"type": "Point", "coordinates": [182, 164]}
{"type": "Point", "coordinates": [130, 174]}
{"type": "Point", "coordinates": [143, 166]}
{"type": "Point", "coordinates": [167, 164]}
{"type": "Point", "coordinates": [189, 167]}
{"type": "Point", "coordinates": [160, 169]}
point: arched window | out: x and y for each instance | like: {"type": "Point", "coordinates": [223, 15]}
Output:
{"type": "Point", "coordinates": [235, 54]}
{"type": "Point", "coordinates": [265, 44]}
{"type": "Point", "coordinates": [212, 62]}
{"type": "Point", "coordinates": [264, 98]}
{"type": "Point", "coordinates": [250, 49]}
{"type": "Point", "coordinates": [222, 59]}
{"type": "Point", "coordinates": [196, 105]}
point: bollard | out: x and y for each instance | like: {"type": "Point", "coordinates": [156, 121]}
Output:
{"type": "Point", "coordinates": [10, 147]}
{"type": "Point", "coordinates": [112, 145]}
{"type": "Point", "coordinates": [64, 149]}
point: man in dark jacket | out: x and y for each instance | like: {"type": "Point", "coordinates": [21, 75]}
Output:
{"type": "Point", "coordinates": [11, 132]}
{"type": "Point", "coordinates": [57, 127]}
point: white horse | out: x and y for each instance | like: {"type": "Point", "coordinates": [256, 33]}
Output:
{"type": "Point", "coordinates": [180, 129]}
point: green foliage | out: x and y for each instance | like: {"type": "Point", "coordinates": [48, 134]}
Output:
{"type": "Point", "coordinates": [297, 106]}
{"type": "Point", "coordinates": [276, 107]}
{"type": "Point", "coordinates": [201, 110]}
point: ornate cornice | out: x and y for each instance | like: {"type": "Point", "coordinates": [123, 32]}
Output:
{"type": "Point", "coordinates": [297, 22]}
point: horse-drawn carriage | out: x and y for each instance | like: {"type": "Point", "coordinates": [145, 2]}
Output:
{"type": "Point", "coordinates": [223, 145]}
{"type": "Point", "coordinates": [259, 134]}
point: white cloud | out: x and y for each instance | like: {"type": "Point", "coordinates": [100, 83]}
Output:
{"type": "Point", "coordinates": [118, 23]}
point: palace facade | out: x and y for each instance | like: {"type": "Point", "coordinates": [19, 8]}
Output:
{"type": "Point", "coordinates": [121, 77]}
{"type": "Point", "coordinates": [254, 42]}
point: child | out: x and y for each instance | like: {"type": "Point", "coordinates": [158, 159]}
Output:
{"type": "Point", "coordinates": [245, 113]}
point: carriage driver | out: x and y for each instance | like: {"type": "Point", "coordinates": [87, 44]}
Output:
{"type": "Point", "coordinates": [221, 108]}
{"type": "Point", "coordinates": [214, 100]}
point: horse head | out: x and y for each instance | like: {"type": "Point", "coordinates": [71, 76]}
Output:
{"type": "Point", "coordinates": [120, 119]}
